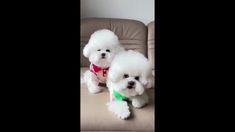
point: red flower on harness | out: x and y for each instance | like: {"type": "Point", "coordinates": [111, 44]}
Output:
{"type": "Point", "coordinates": [95, 69]}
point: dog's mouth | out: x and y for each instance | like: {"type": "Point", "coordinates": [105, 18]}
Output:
{"type": "Point", "coordinates": [102, 57]}
{"type": "Point", "coordinates": [130, 87]}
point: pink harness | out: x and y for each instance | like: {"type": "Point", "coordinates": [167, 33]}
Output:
{"type": "Point", "coordinates": [94, 69]}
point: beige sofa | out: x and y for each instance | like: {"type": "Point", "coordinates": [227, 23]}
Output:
{"type": "Point", "coordinates": [94, 113]}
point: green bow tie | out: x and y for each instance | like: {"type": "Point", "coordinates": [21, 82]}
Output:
{"type": "Point", "coordinates": [118, 96]}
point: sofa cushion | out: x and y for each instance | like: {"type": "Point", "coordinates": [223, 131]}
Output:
{"type": "Point", "coordinates": [131, 33]}
{"type": "Point", "coordinates": [96, 117]}
{"type": "Point", "coordinates": [151, 43]}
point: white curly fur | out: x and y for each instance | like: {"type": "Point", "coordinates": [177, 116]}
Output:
{"type": "Point", "coordinates": [134, 64]}
{"type": "Point", "coordinates": [98, 43]}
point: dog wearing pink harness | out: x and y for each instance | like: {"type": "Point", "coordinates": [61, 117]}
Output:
{"type": "Point", "coordinates": [101, 48]}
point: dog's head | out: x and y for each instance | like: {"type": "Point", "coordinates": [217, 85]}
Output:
{"type": "Point", "coordinates": [129, 73]}
{"type": "Point", "coordinates": [103, 45]}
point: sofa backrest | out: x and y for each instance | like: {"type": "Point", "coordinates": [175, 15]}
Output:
{"type": "Point", "coordinates": [131, 33]}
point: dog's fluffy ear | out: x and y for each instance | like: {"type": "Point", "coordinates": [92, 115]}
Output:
{"type": "Point", "coordinates": [120, 49]}
{"type": "Point", "coordinates": [150, 82]}
{"type": "Point", "coordinates": [86, 50]}
{"type": "Point", "coordinates": [147, 78]}
{"type": "Point", "coordinates": [112, 75]}
{"type": "Point", "coordinates": [144, 80]}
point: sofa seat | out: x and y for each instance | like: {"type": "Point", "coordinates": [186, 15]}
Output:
{"type": "Point", "coordinates": [96, 117]}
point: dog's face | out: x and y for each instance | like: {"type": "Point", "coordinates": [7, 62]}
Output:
{"type": "Point", "coordinates": [102, 55]}
{"type": "Point", "coordinates": [129, 84]}
{"type": "Point", "coordinates": [102, 47]}
{"type": "Point", "coordinates": [129, 73]}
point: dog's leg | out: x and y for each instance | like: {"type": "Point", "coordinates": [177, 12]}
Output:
{"type": "Point", "coordinates": [140, 100]}
{"type": "Point", "coordinates": [119, 108]}
{"type": "Point", "coordinates": [92, 82]}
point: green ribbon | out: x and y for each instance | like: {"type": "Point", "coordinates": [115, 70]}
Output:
{"type": "Point", "coordinates": [118, 96]}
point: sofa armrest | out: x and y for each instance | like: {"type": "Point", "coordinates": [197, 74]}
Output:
{"type": "Point", "coordinates": [151, 43]}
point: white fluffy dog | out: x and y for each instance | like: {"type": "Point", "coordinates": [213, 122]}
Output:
{"type": "Point", "coordinates": [102, 46]}
{"type": "Point", "coordinates": [129, 74]}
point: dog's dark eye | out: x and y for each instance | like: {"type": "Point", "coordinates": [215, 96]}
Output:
{"type": "Point", "coordinates": [107, 50]}
{"type": "Point", "coordinates": [98, 50]}
{"type": "Point", "coordinates": [125, 76]}
{"type": "Point", "coordinates": [137, 78]}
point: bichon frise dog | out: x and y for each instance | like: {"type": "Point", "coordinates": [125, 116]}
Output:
{"type": "Point", "coordinates": [129, 75]}
{"type": "Point", "coordinates": [102, 46]}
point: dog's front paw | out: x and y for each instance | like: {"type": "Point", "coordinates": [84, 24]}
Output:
{"type": "Point", "coordinates": [136, 104]}
{"type": "Point", "coordinates": [119, 108]}
{"type": "Point", "coordinates": [140, 101]}
{"type": "Point", "coordinates": [124, 115]}
{"type": "Point", "coordinates": [94, 89]}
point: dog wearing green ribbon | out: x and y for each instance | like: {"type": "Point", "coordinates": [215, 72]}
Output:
{"type": "Point", "coordinates": [129, 76]}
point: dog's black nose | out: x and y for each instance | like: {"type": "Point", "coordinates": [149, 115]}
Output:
{"type": "Point", "coordinates": [103, 54]}
{"type": "Point", "coordinates": [131, 83]}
